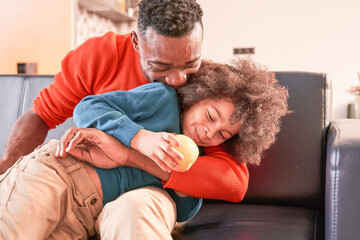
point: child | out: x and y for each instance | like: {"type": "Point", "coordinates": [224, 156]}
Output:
{"type": "Point", "coordinates": [239, 106]}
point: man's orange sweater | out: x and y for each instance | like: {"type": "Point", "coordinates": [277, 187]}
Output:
{"type": "Point", "coordinates": [110, 63]}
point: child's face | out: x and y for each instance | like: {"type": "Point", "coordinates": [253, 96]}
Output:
{"type": "Point", "coordinates": [207, 122]}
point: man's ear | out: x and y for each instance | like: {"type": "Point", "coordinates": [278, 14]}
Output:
{"type": "Point", "coordinates": [135, 40]}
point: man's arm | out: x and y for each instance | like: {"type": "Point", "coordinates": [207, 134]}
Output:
{"type": "Point", "coordinates": [138, 160]}
{"type": "Point", "coordinates": [216, 175]}
{"type": "Point", "coordinates": [28, 132]}
{"type": "Point", "coordinates": [104, 151]}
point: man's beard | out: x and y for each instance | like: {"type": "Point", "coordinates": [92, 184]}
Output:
{"type": "Point", "coordinates": [148, 78]}
{"type": "Point", "coordinates": [142, 70]}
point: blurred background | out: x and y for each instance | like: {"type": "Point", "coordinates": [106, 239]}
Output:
{"type": "Point", "coordinates": [317, 36]}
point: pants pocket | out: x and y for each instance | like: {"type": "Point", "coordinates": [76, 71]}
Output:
{"type": "Point", "coordinates": [7, 183]}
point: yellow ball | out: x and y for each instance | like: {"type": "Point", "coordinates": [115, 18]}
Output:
{"type": "Point", "coordinates": [189, 150]}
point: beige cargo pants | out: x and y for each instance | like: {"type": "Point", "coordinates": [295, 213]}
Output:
{"type": "Point", "coordinates": [42, 197]}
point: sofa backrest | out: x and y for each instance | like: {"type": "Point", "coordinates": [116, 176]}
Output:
{"type": "Point", "coordinates": [292, 170]}
{"type": "Point", "coordinates": [16, 95]}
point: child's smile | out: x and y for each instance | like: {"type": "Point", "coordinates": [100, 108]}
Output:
{"type": "Point", "coordinates": [207, 122]}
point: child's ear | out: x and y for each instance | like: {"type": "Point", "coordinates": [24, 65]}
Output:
{"type": "Point", "coordinates": [181, 116]}
{"type": "Point", "coordinates": [135, 40]}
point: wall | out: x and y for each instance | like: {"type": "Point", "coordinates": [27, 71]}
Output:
{"type": "Point", "coordinates": [91, 24]}
{"type": "Point", "coordinates": [45, 31]}
{"type": "Point", "coordinates": [307, 35]}
{"type": "Point", "coordinates": [35, 31]}
{"type": "Point", "coordinates": [319, 36]}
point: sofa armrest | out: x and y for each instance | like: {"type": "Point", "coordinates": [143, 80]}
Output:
{"type": "Point", "coordinates": [342, 189]}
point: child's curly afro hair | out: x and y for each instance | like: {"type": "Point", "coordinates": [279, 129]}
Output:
{"type": "Point", "coordinates": [259, 102]}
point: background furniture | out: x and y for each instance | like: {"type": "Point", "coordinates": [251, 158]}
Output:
{"type": "Point", "coordinates": [305, 188]}
{"type": "Point", "coordinates": [285, 199]}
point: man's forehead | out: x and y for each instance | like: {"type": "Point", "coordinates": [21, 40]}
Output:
{"type": "Point", "coordinates": [151, 36]}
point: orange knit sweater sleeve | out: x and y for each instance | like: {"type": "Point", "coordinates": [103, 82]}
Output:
{"type": "Point", "coordinates": [216, 175]}
{"type": "Point", "coordinates": [81, 69]}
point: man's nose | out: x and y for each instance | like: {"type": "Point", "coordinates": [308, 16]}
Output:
{"type": "Point", "coordinates": [176, 78]}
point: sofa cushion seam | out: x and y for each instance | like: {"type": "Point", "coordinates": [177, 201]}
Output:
{"type": "Point", "coordinates": [22, 96]}
{"type": "Point", "coordinates": [336, 184]}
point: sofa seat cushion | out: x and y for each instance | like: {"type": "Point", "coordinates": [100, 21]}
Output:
{"type": "Point", "coordinates": [255, 222]}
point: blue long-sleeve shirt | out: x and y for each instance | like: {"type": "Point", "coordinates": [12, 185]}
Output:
{"type": "Point", "coordinates": [122, 114]}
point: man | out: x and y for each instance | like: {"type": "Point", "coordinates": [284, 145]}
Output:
{"type": "Point", "coordinates": [166, 48]}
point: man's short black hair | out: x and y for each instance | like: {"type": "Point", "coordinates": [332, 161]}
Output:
{"type": "Point", "coordinates": [172, 18]}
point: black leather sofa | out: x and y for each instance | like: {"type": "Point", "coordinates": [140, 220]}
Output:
{"type": "Point", "coordinates": [307, 186]}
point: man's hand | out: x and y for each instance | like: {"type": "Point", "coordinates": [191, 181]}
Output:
{"type": "Point", "coordinates": [158, 147]}
{"type": "Point", "coordinates": [93, 146]}
{"type": "Point", "coordinates": [102, 150]}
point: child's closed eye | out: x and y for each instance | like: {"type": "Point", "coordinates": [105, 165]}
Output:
{"type": "Point", "coordinates": [209, 116]}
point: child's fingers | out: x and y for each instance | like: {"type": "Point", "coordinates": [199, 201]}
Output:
{"type": "Point", "coordinates": [162, 164]}
{"type": "Point", "coordinates": [175, 154]}
{"type": "Point", "coordinates": [170, 138]}
{"type": "Point", "coordinates": [170, 151]}
{"type": "Point", "coordinates": [165, 158]}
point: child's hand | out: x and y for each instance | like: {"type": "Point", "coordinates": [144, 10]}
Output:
{"type": "Point", "coordinates": [157, 146]}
